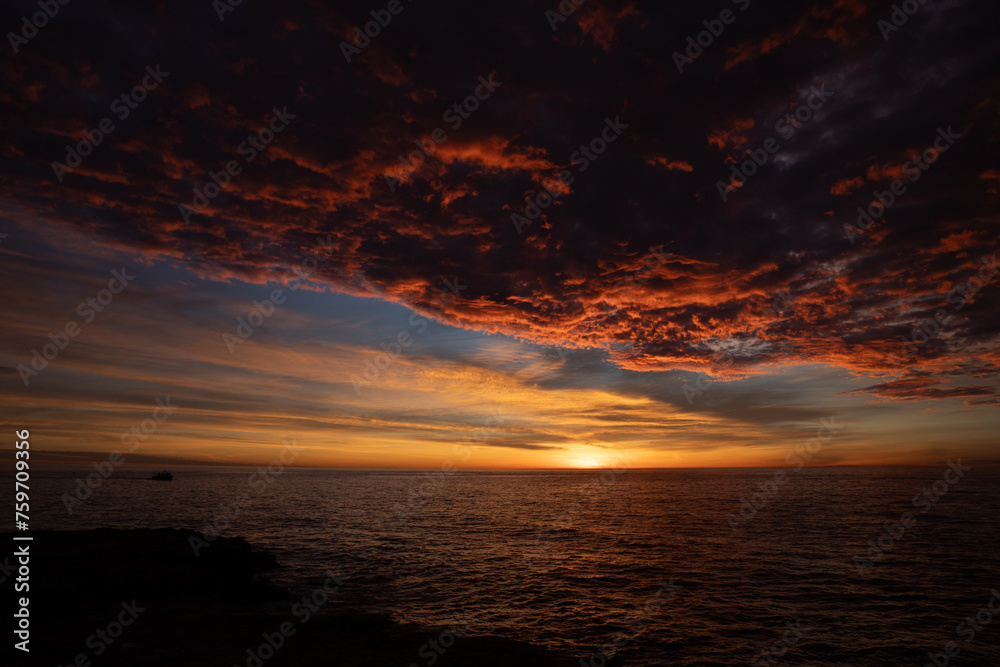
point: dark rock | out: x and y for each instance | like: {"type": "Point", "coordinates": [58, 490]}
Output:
{"type": "Point", "coordinates": [209, 609]}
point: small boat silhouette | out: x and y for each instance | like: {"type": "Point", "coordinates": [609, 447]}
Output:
{"type": "Point", "coordinates": [162, 476]}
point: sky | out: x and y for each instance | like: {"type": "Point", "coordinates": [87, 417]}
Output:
{"type": "Point", "coordinates": [502, 235]}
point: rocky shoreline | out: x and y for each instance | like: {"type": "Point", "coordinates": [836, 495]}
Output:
{"type": "Point", "coordinates": [110, 597]}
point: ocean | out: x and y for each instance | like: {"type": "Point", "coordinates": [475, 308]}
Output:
{"type": "Point", "coordinates": [810, 566]}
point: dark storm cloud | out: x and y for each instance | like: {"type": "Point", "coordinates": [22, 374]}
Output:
{"type": "Point", "coordinates": [919, 390]}
{"type": "Point", "coordinates": [559, 281]}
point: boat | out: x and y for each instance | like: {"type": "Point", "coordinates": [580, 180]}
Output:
{"type": "Point", "coordinates": [162, 476]}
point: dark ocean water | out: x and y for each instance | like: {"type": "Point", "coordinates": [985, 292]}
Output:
{"type": "Point", "coordinates": [574, 560]}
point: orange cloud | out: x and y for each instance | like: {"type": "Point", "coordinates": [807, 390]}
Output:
{"type": "Point", "coordinates": [733, 136]}
{"type": "Point", "coordinates": [679, 165]}
{"type": "Point", "coordinates": [847, 185]}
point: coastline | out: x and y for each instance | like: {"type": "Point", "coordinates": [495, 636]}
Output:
{"type": "Point", "coordinates": [125, 597]}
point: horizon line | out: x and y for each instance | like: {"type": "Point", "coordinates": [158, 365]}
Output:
{"type": "Point", "coordinates": [212, 464]}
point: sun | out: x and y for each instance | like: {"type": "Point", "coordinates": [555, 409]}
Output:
{"type": "Point", "coordinates": [586, 462]}
{"type": "Point", "coordinates": [586, 457]}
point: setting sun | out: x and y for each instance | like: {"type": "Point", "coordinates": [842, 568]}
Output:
{"type": "Point", "coordinates": [586, 462]}
{"type": "Point", "coordinates": [549, 334]}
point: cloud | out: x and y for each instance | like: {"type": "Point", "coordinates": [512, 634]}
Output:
{"type": "Point", "coordinates": [561, 281]}
{"type": "Point", "coordinates": [928, 389]}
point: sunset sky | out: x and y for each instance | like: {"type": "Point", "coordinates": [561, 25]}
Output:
{"type": "Point", "coordinates": [654, 313]}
